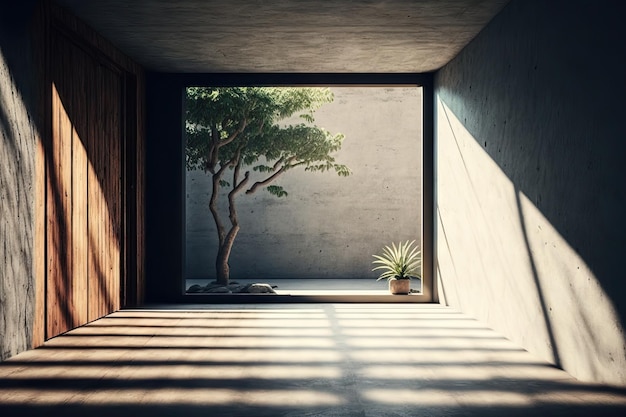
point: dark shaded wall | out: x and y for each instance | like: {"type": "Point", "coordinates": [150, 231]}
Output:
{"type": "Point", "coordinates": [531, 185]}
{"type": "Point", "coordinates": [18, 139]}
{"type": "Point", "coordinates": [164, 188]}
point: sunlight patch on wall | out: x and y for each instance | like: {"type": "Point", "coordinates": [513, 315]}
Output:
{"type": "Point", "coordinates": [583, 317]}
{"type": "Point", "coordinates": [500, 259]}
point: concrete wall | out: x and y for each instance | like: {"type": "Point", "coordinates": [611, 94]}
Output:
{"type": "Point", "coordinates": [328, 226]}
{"type": "Point", "coordinates": [17, 144]}
{"type": "Point", "coordinates": [530, 182]}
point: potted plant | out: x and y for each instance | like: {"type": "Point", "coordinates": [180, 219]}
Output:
{"type": "Point", "coordinates": [398, 264]}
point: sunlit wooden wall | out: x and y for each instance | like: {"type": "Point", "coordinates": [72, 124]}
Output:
{"type": "Point", "coordinates": [92, 156]}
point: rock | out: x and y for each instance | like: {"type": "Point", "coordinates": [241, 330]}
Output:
{"type": "Point", "coordinates": [214, 285]}
{"type": "Point", "coordinates": [217, 290]}
{"type": "Point", "coordinates": [235, 287]}
{"type": "Point", "coordinates": [259, 289]}
{"type": "Point", "coordinates": [195, 288]}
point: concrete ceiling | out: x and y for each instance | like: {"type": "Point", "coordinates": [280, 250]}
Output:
{"type": "Point", "coordinates": [248, 36]}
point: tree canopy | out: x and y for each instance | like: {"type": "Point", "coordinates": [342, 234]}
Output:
{"type": "Point", "coordinates": [233, 127]}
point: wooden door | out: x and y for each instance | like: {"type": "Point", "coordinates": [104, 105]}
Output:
{"type": "Point", "coordinates": [84, 192]}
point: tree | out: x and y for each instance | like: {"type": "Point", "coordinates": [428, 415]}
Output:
{"type": "Point", "coordinates": [233, 129]}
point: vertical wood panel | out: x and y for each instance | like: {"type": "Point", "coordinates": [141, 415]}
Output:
{"type": "Point", "coordinates": [105, 194]}
{"type": "Point", "coordinates": [52, 227]}
{"type": "Point", "coordinates": [40, 241]}
{"type": "Point", "coordinates": [114, 177]}
{"type": "Point", "coordinates": [105, 141]}
{"type": "Point", "coordinates": [79, 230]}
{"type": "Point", "coordinates": [59, 221]}
{"type": "Point", "coordinates": [76, 101]}
{"type": "Point", "coordinates": [93, 191]}
{"type": "Point", "coordinates": [83, 206]}
{"type": "Point", "coordinates": [95, 219]}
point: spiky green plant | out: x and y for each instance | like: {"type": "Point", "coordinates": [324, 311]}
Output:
{"type": "Point", "coordinates": [399, 262]}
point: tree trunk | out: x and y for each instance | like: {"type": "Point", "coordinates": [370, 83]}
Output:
{"type": "Point", "coordinates": [223, 253]}
{"type": "Point", "coordinates": [226, 240]}
{"type": "Point", "coordinates": [221, 262]}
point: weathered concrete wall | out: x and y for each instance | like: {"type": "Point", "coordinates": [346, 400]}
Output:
{"type": "Point", "coordinates": [328, 226]}
{"type": "Point", "coordinates": [530, 182]}
{"type": "Point", "coordinates": [17, 144]}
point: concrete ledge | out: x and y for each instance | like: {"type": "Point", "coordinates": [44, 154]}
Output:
{"type": "Point", "coordinates": [309, 298]}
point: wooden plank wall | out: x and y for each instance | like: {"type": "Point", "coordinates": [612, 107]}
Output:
{"type": "Point", "coordinates": [84, 189]}
{"type": "Point", "coordinates": [105, 195]}
{"type": "Point", "coordinates": [92, 168]}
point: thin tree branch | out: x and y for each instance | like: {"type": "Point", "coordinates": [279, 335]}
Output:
{"type": "Point", "coordinates": [237, 186]}
{"type": "Point", "coordinates": [213, 207]}
{"type": "Point", "coordinates": [212, 158]}
{"type": "Point", "coordinates": [232, 211]}
{"type": "Point", "coordinates": [277, 164]}
{"type": "Point", "coordinates": [215, 135]}
{"type": "Point", "coordinates": [297, 164]}
{"type": "Point", "coordinates": [233, 136]}
{"type": "Point", "coordinates": [216, 144]}
{"type": "Point", "coordinates": [242, 184]}
{"type": "Point", "coordinates": [271, 177]}
{"type": "Point", "coordinates": [230, 162]}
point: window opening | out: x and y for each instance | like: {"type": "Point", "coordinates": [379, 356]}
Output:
{"type": "Point", "coordinates": [313, 233]}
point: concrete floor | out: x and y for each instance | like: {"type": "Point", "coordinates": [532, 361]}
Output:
{"type": "Point", "coordinates": [292, 360]}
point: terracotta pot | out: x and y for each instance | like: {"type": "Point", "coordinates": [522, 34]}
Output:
{"type": "Point", "coordinates": [400, 286]}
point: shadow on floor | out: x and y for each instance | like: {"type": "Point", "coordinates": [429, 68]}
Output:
{"type": "Point", "coordinates": [292, 360]}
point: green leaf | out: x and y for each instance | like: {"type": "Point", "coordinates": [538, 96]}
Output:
{"type": "Point", "coordinates": [308, 117]}
{"type": "Point", "coordinates": [262, 168]}
{"type": "Point", "coordinates": [276, 190]}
